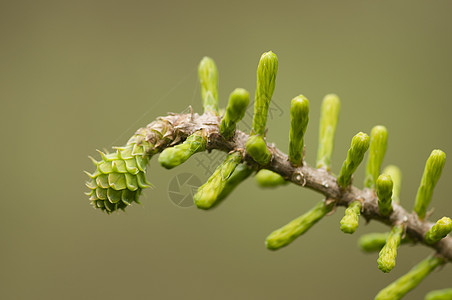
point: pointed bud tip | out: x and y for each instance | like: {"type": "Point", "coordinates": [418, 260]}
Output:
{"type": "Point", "coordinates": [384, 182]}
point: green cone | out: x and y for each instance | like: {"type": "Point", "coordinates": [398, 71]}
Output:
{"type": "Point", "coordinates": [208, 79]}
{"type": "Point", "coordinates": [396, 176]}
{"type": "Point", "coordinates": [120, 177]}
{"type": "Point", "coordinates": [432, 173]}
{"type": "Point", "coordinates": [209, 193]}
{"type": "Point", "coordinates": [257, 149]}
{"type": "Point", "coordinates": [266, 78]}
{"type": "Point", "coordinates": [328, 120]}
{"type": "Point", "coordinates": [299, 118]}
{"type": "Point", "coordinates": [445, 294]}
{"type": "Point", "coordinates": [174, 156]}
{"type": "Point", "coordinates": [387, 256]}
{"type": "Point", "coordinates": [384, 193]}
{"type": "Point", "coordinates": [355, 155]}
{"type": "Point", "coordinates": [400, 287]}
{"type": "Point", "coordinates": [439, 231]}
{"type": "Point", "coordinates": [267, 178]}
{"type": "Point", "coordinates": [287, 234]}
{"type": "Point", "coordinates": [238, 102]}
{"type": "Point", "coordinates": [350, 221]}
{"type": "Point", "coordinates": [378, 144]}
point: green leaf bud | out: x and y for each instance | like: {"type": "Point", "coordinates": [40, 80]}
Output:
{"type": "Point", "coordinates": [439, 231]}
{"type": "Point", "coordinates": [355, 155]}
{"type": "Point", "coordinates": [445, 294]}
{"type": "Point", "coordinates": [388, 254]}
{"type": "Point", "coordinates": [384, 193]}
{"type": "Point", "coordinates": [209, 193]}
{"type": "Point", "coordinates": [208, 79]}
{"type": "Point", "coordinates": [396, 176]}
{"type": "Point", "coordinates": [432, 173]}
{"type": "Point", "coordinates": [299, 118]}
{"type": "Point", "coordinates": [257, 149]}
{"type": "Point", "coordinates": [378, 144]}
{"type": "Point", "coordinates": [349, 222]}
{"type": "Point", "coordinates": [267, 178]}
{"type": "Point", "coordinates": [266, 77]}
{"type": "Point", "coordinates": [240, 173]}
{"type": "Point", "coordinates": [328, 120]}
{"type": "Point", "coordinates": [120, 177]}
{"type": "Point", "coordinates": [287, 234]}
{"type": "Point", "coordinates": [372, 242]}
{"type": "Point", "coordinates": [238, 102]}
{"type": "Point", "coordinates": [400, 287]}
{"type": "Point", "coordinates": [174, 156]}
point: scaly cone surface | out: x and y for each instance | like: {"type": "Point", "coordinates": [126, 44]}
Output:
{"type": "Point", "coordinates": [120, 177]}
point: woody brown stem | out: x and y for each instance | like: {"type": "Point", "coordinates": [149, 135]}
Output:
{"type": "Point", "coordinates": [175, 128]}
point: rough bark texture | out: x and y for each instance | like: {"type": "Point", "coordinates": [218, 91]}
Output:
{"type": "Point", "coordinates": [175, 128]}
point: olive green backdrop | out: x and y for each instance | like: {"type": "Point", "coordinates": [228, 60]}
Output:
{"type": "Point", "coordinates": [81, 75]}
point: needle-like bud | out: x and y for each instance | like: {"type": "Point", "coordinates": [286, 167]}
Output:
{"type": "Point", "coordinates": [238, 102]}
{"type": "Point", "coordinates": [445, 294]}
{"type": "Point", "coordinates": [400, 287]}
{"type": "Point", "coordinates": [257, 149]}
{"type": "Point", "coordinates": [174, 156]}
{"type": "Point", "coordinates": [355, 155]}
{"type": "Point", "coordinates": [299, 118]}
{"type": "Point", "coordinates": [372, 242]}
{"type": "Point", "coordinates": [267, 178]}
{"type": "Point", "coordinates": [378, 143]}
{"type": "Point", "coordinates": [208, 79]}
{"type": "Point", "coordinates": [240, 173]}
{"type": "Point", "coordinates": [384, 193]}
{"type": "Point", "coordinates": [432, 172]}
{"type": "Point", "coordinates": [439, 231]}
{"type": "Point", "coordinates": [396, 176]}
{"type": "Point", "coordinates": [328, 121]}
{"type": "Point", "coordinates": [387, 257]}
{"type": "Point", "coordinates": [350, 221]}
{"type": "Point", "coordinates": [266, 77]}
{"type": "Point", "coordinates": [285, 235]}
{"type": "Point", "coordinates": [208, 194]}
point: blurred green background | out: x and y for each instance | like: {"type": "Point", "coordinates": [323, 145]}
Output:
{"type": "Point", "coordinates": [81, 75]}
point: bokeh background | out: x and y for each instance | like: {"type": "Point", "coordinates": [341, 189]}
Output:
{"type": "Point", "coordinates": [76, 76]}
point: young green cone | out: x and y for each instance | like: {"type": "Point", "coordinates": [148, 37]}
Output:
{"type": "Point", "coordinates": [266, 78]}
{"type": "Point", "coordinates": [350, 221]}
{"type": "Point", "coordinates": [328, 121]}
{"type": "Point", "coordinates": [384, 193]}
{"type": "Point", "coordinates": [209, 193]}
{"type": "Point", "coordinates": [355, 155]}
{"type": "Point", "coordinates": [299, 118]}
{"type": "Point", "coordinates": [208, 79]}
{"type": "Point", "coordinates": [120, 177]}
{"type": "Point", "coordinates": [267, 178]}
{"type": "Point", "coordinates": [432, 172]}
{"type": "Point", "coordinates": [174, 156]}
{"type": "Point", "coordinates": [400, 287]}
{"type": "Point", "coordinates": [439, 231]}
{"type": "Point", "coordinates": [378, 144]}
{"type": "Point", "coordinates": [387, 256]}
{"type": "Point", "coordinates": [238, 102]}
{"type": "Point", "coordinates": [445, 294]}
{"type": "Point", "coordinates": [257, 149]}
{"type": "Point", "coordinates": [285, 235]}
{"type": "Point", "coordinates": [396, 176]}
